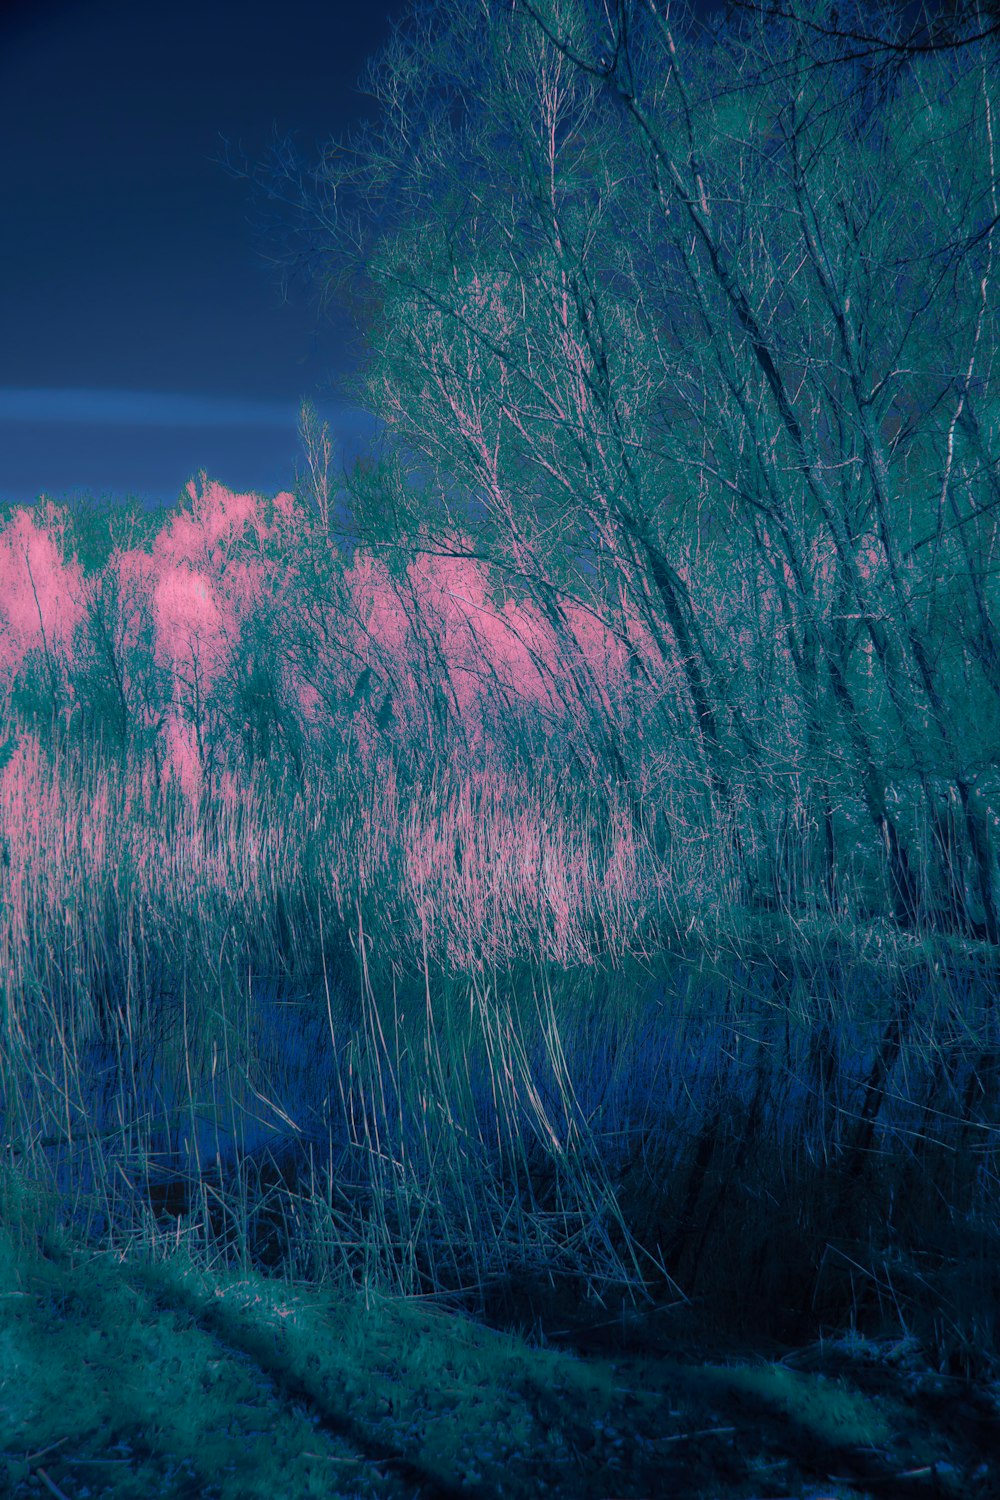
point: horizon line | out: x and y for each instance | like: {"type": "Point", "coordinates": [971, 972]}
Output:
{"type": "Point", "coordinates": [123, 408]}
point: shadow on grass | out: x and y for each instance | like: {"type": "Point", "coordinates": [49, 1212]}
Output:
{"type": "Point", "coordinates": [150, 1376]}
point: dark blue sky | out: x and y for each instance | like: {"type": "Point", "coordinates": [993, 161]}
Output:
{"type": "Point", "coordinates": [142, 335]}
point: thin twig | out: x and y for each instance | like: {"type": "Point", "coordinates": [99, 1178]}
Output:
{"type": "Point", "coordinates": [54, 1488]}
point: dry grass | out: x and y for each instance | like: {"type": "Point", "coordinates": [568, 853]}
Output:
{"type": "Point", "coordinates": [488, 1043]}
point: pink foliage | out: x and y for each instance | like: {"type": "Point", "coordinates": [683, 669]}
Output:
{"type": "Point", "coordinates": [446, 629]}
{"type": "Point", "coordinates": [377, 602]}
{"type": "Point", "coordinates": [487, 646]}
{"type": "Point", "coordinates": [309, 701]}
{"type": "Point", "coordinates": [211, 574]}
{"type": "Point", "coordinates": [182, 756]}
{"type": "Point", "coordinates": [216, 520]}
{"type": "Point", "coordinates": [190, 630]}
{"type": "Point", "coordinates": [189, 599]}
{"type": "Point", "coordinates": [480, 647]}
{"type": "Point", "coordinates": [220, 641]}
{"type": "Point", "coordinates": [41, 595]}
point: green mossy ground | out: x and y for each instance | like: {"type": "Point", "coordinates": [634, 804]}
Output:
{"type": "Point", "coordinates": [145, 1376]}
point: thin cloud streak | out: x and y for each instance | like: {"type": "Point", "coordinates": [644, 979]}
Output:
{"type": "Point", "coordinates": [141, 409]}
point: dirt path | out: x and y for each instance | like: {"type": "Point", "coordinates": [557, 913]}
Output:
{"type": "Point", "coordinates": [150, 1378]}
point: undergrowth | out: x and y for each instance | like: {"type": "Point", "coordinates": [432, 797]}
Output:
{"type": "Point", "coordinates": [496, 1050]}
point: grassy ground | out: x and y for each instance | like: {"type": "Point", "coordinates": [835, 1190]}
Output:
{"type": "Point", "coordinates": [142, 1375]}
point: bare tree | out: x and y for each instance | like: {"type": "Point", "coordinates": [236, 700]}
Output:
{"type": "Point", "coordinates": [887, 33]}
{"type": "Point", "coordinates": [678, 329]}
{"type": "Point", "coordinates": [829, 299]}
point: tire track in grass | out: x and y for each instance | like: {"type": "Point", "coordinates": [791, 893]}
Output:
{"type": "Point", "coordinates": [138, 1376]}
{"type": "Point", "coordinates": [247, 1319]}
{"type": "Point", "coordinates": [113, 1392]}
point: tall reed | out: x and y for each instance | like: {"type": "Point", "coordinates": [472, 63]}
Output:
{"type": "Point", "coordinates": [490, 1041]}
